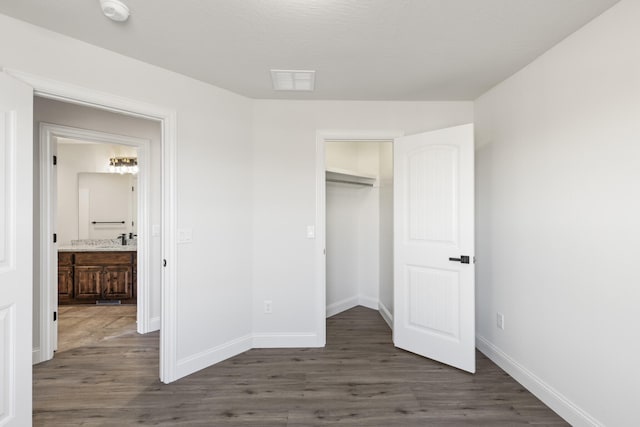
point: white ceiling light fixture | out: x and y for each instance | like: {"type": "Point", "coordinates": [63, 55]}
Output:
{"type": "Point", "coordinates": [115, 10]}
{"type": "Point", "coordinates": [294, 80]}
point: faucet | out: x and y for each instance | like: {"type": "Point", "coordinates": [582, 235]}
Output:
{"type": "Point", "coordinates": [123, 238]}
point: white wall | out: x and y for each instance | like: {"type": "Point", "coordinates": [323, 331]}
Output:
{"type": "Point", "coordinates": [284, 153]}
{"type": "Point", "coordinates": [213, 184]}
{"type": "Point", "coordinates": [386, 231]}
{"type": "Point", "coordinates": [558, 221]}
{"type": "Point", "coordinates": [78, 158]}
{"type": "Point", "coordinates": [342, 202]}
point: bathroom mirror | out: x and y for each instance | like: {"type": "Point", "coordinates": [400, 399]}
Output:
{"type": "Point", "coordinates": [107, 205]}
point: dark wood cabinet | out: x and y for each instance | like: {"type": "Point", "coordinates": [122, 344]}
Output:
{"type": "Point", "coordinates": [65, 277]}
{"type": "Point", "coordinates": [86, 277]}
{"type": "Point", "coordinates": [87, 283]}
{"type": "Point", "coordinates": [117, 282]}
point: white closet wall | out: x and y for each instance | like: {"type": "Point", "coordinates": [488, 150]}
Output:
{"type": "Point", "coordinates": [354, 228]}
{"type": "Point", "coordinates": [385, 302]}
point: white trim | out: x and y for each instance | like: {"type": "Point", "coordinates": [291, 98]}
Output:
{"type": "Point", "coordinates": [368, 302]}
{"type": "Point", "coordinates": [285, 340]}
{"type": "Point", "coordinates": [167, 117]}
{"type": "Point", "coordinates": [35, 355]}
{"type": "Point", "coordinates": [342, 305]}
{"type": "Point", "coordinates": [48, 268]}
{"type": "Point", "coordinates": [323, 136]}
{"type": "Point", "coordinates": [154, 324]}
{"type": "Point", "coordinates": [53, 89]}
{"type": "Point", "coordinates": [348, 303]}
{"type": "Point", "coordinates": [214, 355]}
{"type": "Point", "coordinates": [169, 297]}
{"type": "Point", "coordinates": [386, 314]}
{"type": "Point", "coordinates": [559, 403]}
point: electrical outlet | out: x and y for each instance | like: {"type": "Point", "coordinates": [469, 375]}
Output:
{"type": "Point", "coordinates": [268, 309]}
{"type": "Point", "coordinates": [500, 320]}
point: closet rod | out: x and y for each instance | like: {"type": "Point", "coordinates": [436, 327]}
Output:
{"type": "Point", "coordinates": [341, 181]}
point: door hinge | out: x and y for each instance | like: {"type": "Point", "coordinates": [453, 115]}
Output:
{"type": "Point", "coordinates": [55, 316]}
{"type": "Point", "coordinates": [55, 160]}
{"type": "Point", "coordinates": [55, 238]}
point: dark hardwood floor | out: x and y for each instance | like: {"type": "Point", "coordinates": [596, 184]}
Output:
{"type": "Point", "coordinates": [107, 375]}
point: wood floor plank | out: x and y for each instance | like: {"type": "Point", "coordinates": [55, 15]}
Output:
{"type": "Point", "coordinates": [105, 374]}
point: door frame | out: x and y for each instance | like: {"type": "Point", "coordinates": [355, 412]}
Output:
{"type": "Point", "coordinates": [48, 204]}
{"type": "Point", "coordinates": [167, 117]}
{"type": "Point", "coordinates": [322, 137]}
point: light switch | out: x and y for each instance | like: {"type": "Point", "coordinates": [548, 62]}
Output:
{"type": "Point", "coordinates": [185, 235]}
{"type": "Point", "coordinates": [311, 232]}
{"type": "Point", "coordinates": [155, 230]}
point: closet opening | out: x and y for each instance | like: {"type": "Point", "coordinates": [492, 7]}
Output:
{"type": "Point", "coordinates": [359, 225]}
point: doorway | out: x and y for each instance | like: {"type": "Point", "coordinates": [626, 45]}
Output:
{"type": "Point", "coordinates": [433, 241]}
{"type": "Point", "coordinates": [74, 179]}
{"type": "Point", "coordinates": [337, 303]}
{"type": "Point", "coordinates": [19, 89]}
{"type": "Point", "coordinates": [359, 226]}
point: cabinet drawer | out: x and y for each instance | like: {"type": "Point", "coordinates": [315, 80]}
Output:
{"type": "Point", "coordinates": [65, 258]}
{"type": "Point", "coordinates": [104, 258]}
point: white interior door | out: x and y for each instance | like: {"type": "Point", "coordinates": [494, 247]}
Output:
{"type": "Point", "coordinates": [434, 295]}
{"type": "Point", "coordinates": [16, 258]}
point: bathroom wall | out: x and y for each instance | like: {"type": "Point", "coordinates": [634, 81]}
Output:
{"type": "Point", "coordinates": [75, 158]}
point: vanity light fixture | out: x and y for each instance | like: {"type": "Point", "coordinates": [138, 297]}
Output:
{"type": "Point", "coordinates": [123, 165]}
{"type": "Point", "coordinates": [115, 10]}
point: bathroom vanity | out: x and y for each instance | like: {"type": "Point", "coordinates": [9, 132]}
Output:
{"type": "Point", "coordinates": [91, 274]}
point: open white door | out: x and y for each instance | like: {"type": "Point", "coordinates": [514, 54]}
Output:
{"type": "Point", "coordinates": [16, 257]}
{"type": "Point", "coordinates": [434, 295]}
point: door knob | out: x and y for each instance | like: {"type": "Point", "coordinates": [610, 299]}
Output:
{"type": "Point", "coordinates": [464, 259]}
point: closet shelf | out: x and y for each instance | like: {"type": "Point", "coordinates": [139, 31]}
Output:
{"type": "Point", "coordinates": [349, 177]}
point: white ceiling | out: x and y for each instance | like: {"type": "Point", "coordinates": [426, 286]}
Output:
{"type": "Point", "coordinates": [361, 49]}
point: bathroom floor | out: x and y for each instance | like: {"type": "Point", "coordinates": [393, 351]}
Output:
{"type": "Point", "coordinates": [86, 325]}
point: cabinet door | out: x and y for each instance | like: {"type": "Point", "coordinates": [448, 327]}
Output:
{"type": "Point", "coordinates": [118, 282]}
{"type": "Point", "coordinates": [87, 281]}
{"type": "Point", "coordinates": [65, 284]}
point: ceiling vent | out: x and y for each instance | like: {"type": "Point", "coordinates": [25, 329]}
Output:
{"type": "Point", "coordinates": [296, 80]}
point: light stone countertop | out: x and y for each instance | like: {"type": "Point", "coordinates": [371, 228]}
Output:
{"type": "Point", "coordinates": [94, 248]}
{"type": "Point", "coordinates": [98, 245]}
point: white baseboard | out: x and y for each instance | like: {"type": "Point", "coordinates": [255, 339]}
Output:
{"type": "Point", "coordinates": [206, 358]}
{"type": "Point", "coordinates": [285, 340]}
{"type": "Point", "coordinates": [568, 410]}
{"type": "Point", "coordinates": [386, 314]}
{"type": "Point", "coordinates": [154, 324]}
{"type": "Point", "coordinates": [36, 357]}
{"type": "Point", "coordinates": [340, 306]}
{"type": "Point", "coordinates": [368, 302]}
